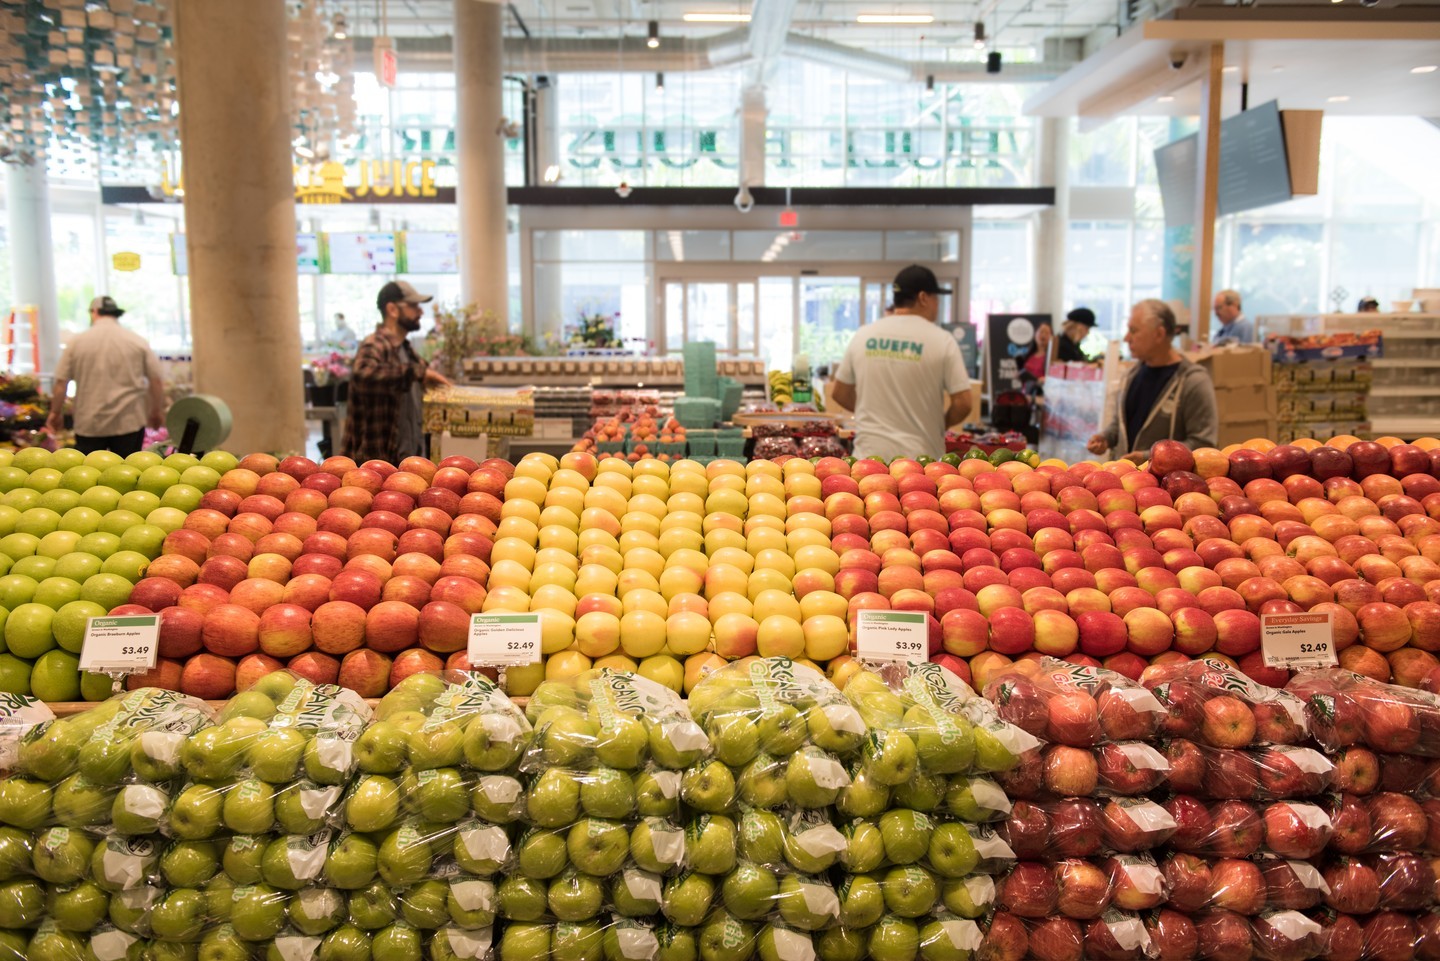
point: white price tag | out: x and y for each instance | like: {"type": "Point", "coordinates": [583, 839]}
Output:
{"type": "Point", "coordinates": [504, 640]}
{"type": "Point", "coordinates": [1298, 641]}
{"type": "Point", "coordinates": [892, 636]}
{"type": "Point", "coordinates": [121, 645]}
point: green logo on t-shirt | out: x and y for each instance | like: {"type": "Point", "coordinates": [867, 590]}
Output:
{"type": "Point", "coordinates": [893, 349]}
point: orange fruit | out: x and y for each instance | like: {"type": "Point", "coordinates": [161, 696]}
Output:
{"type": "Point", "coordinates": [1342, 441]}
{"type": "Point", "coordinates": [1260, 444]}
{"type": "Point", "coordinates": [1427, 443]}
{"type": "Point", "coordinates": [1229, 449]}
{"type": "Point", "coordinates": [1306, 443]}
{"type": "Point", "coordinates": [1388, 441]}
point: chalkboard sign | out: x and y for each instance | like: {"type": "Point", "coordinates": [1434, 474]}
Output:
{"type": "Point", "coordinates": [1008, 339]}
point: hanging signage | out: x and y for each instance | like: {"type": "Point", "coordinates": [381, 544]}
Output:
{"type": "Point", "coordinates": [125, 261]}
{"type": "Point", "coordinates": [387, 66]}
{"type": "Point", "coordinates": [365, 181]}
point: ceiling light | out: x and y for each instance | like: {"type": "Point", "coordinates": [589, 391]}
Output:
{"type": "Point", "coordinates": [652, 37]}
{"type": "Point", "coordinates": [1428, 68]}
{"type": "Point", "coordinates": [979, 35]}
{"type": "Point", "coordinates": [338, 29]}
{"type": "Point", "coordinates": [717, 18]}
{"type": "Point", "coordinates": [1230, 69]}
{"type": "Point", "coordinates": [1340, 99]}
{"type": "Point", "coordinates": [1165, 99]}
{"type": "Point", "coordinates": [894, 18]}
{"type": "Point", "coordinates": [305, 152]}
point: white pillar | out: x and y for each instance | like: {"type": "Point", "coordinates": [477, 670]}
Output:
{"type": "Point", "coordinates": [32, 257]}
{"type": "Point", "coordinates": [1052, 224]}
{"type": "Point", "coordinates": [753, 113]}
{"type": "Point", "coordinates": [235, 129]}
{"type": "Point", "coordinates": [480, 156]}
{"type": "Point", "coordinates": [545, 138]}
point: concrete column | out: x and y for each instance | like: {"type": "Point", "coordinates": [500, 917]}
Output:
{"type": "Point", "coordinates": [32, 257]}
{"type": "Point", "coordinates": [1052, 224]}
{"type": "Point", "coordinates": [480, 162]}
{"type": "Point", "coordinates": [753, 113]}
{"type": "Point", "coordinates": [1207, 193]}
{"type": "Point", "coordinates": [234, 87]}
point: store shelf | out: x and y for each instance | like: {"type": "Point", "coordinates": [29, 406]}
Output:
{"type": "Point", "coordinates": [1404, 426]}
{"type": "Point", "coordinates": [1404, 391]}
{"type": "Point", "coordinates": [1380, 363]}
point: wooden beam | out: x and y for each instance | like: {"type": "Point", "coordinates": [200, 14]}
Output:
{"type": "Point", "coordinates": [1207, 191]}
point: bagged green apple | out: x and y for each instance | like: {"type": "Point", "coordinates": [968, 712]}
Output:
{"type": "Point", "coordinates": [1075, 705]}
{"type": "Point", "coordinates": [775, 707]}
{"type": "Point", "coordinates": [611, 719]}
{"type": "Point", "coordinates": [19, 715]}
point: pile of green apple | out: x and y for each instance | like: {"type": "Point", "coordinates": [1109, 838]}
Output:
{"type": "Point", "coordinates": [77, 531]}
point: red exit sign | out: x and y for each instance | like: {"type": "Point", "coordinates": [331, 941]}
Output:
{"type": "Point", "coordinates": [387, 65]}
{"type": "Point", "coordinates": [789, 218]}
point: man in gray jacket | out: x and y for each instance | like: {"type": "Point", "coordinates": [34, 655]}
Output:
{"type": "Point", "coordinates": [1164, 396]}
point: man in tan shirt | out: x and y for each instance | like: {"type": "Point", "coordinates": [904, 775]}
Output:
{"type": "Point", "coordinates": [119, 389]}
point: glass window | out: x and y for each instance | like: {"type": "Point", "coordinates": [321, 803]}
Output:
{"type": "Point", "coordinates": [808, 245]}
{"type": "Point", "coordinates": [1276, 267]}
{"type": "Point", "coordinates": [580, 245]}
{"type": "Point", "coordinates": [1105, 156]}
{"type": "Point", "coordinates": [73, 241]}
{"type": "Point", "coordinates": [565, 292]}
{"type": "Point", "coordinates": [1097, 255]}
{"type": "Point", "coordinates": [151, 296]}
{"type": "Point", "coordinates": [1373, 260]}
{"type": "Point", "coordinates": [694, 245]}
{"type": "Point", "coordinates": [829, 317]}
{"type": "Point", "coordinates": [1001, 273]}
{"type": "Point", "coordinates": [928, 246]}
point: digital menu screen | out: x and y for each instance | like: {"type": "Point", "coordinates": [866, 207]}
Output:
{"type": "Point", "coordinates": [307, 254]}
{"type": "Point", "coordinates": [431, 252]}
{"type": "Point", "coordinates": [362, 253]}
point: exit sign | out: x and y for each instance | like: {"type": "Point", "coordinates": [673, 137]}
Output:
{"type": "Point", "coordinates": [387, 66]}
{"type": "Point", "coordinates": [789, 218]}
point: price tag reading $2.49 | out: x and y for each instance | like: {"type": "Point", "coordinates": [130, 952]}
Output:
{"type": "Point", "coordinates": [504, 640]}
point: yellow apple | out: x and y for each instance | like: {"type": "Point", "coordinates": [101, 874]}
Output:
{"type": "Point", "coordinates": [597, 633]}
{"type": "Point", "coordinates": [716, 539]}
{"type": "Point", "coordinates": [552, 575]}
{"type": "Point", "coordinates": [529, 510]}
{"type": "Point", "coordinates": [804, 537]}
{"type": "Point", "coordinates": [642, 633]}
{"type": "Point", "coordinates": [762, 484]}
{"type": "Point", "coordinates": [680, 580]}
{"type": "Point", "coordinates": [556, 555]}
{"type": "Point", "coordinates": [650, 485]}
{"type": "Point", "coordinates": [766, 467]}
{"type": "Point", "coordinates": [522, 681]}
{"type": "Point", "coordinates": [780, 636]}
{"type": "Point", "coordinates": [687, 632]}
{"type": "Point", "coordinates": [523, 529]}
{"type": "Point", "coordinates": [650, 467]}
{"type": "Point", "coordinates": [632, 579]}
{"type": "Point", "coordinates": [730, 602]}
{"type": "Point", "coordinates": [699, 666]}
{"type": "Point", "coordinates": [763, 537]}
{"type": "Point", "coordinates": [726, 502]}
{"type": "Point", "coordinates": [647, 504]}
{"type": "Point", "coordinates": [557, 631]}
{"type": "Point", "coordinates": [616, 662]}
{"type": "Point", "coordinates": [815, 555]}
{"type": "Point", "coordinates": [826, 636]}
{"type": "Point", "coordinates": [684, 502]}
{"type": "Point", "coordinates": [772, 559]}
{"type": "Point", "coordinates": [645, 559]}
{"type": "Point", "coordinates": [561, 515]}
{"type": "Point", "coordinates": [632, 539]}
{"type": "Point", "coordinates": [824, 602]}
{"type": "Point", "coordinates": [776, 603]}
{"type": "Point", "coordinates": [841, 669]}
{"type": "Point", "coordinates": [604, 555]}
{"type": "Point", "coordinates": [595, 579]}
{"type": "Point", "coordinates": [689, 602]}
{"type": "Point", "coordinates": [736, 557]}
{"type": "Point", "coordinates": [570, 499]}
{"type": "Point", "coordinates": [508, 573]}
{"type": "Point", "coordinates": [564, 538]}
{"type": "Point", "coordinates": [513, 550]}
{"type": "Point", "coordinates": [689, 482]}
{"type": "Point", "coordinates": [607, 499]}
{"type": "Point", "coordinates": [735, 635]}
{"type": "Point", "coordinates": [811, 580]}
{"type": "Point", "coordinates": [802, 485]}
{"type": "Point", "coordinates": [724, 579]}
{"type": "Point", "coordinates": [679, 539]}
{"type": "Point", "coordinates": [663, 670]}
{"type": "Point", "coordinates": [767, 580]}
{"type": "Point", "coordinates": [525, 489]}
{"type": "Point", "coordinates": [566, 477]}
{"type": "Point", "coordinates": [599, 519]}
{"type": "Point", "coordinates": [552, 597]}
{"type": "Point", "coordinates": [643, 600]}
{"type": "Point", "coordinates": [611, 480]}
{"type": "Point", "coordinates": [639, 521]}
{"type": "Point", "coordinates": [690, 520]}
{"type": "Point", "coordinates": [767, 505]}
{"type": "Point", "coordinates": [506, 599]}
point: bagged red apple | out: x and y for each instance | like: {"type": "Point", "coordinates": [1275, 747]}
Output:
{"type": "Point", "coordinates": [1117, 936]}
{"type": "Point", "coordinates": [1346, 709]}
{"type": "Point", "coordinates": [1211, 703]}
{"type": "Point", "coordinates": [1074, 705]}
{"type": "Point", "coordinates": [1086, 827]}
{"type": "Point", "coordinates": [1270, 773]}
{"type": "Point", "coordinates": [1287, 936]}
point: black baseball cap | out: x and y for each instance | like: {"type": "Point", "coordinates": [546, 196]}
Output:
{"type": "Point", "coordinates": [1082, 315]}
{"type": "Point", "coordinates": [916, 280]}
{"type": "Point", "coordinates": [105, 307]}
{"type": "Point", "coordinates": [399, 292]}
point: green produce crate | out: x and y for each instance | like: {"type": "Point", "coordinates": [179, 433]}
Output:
{"type": "Point", "coordinates": [730, 442]}
{"type": "Point", "coordinates": [701, 442]}
{"type": "Point", "coordinates": [730, 391]}
{"type": "Point", "coordinates": [693, 412]}
{"type": "Point", "coordinates": [675, 450]}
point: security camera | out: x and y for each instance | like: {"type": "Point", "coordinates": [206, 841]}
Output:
{"type": "Point", "coordinates": [743, 200]}
{"type": "Point", "coordinates": [1178, 59]}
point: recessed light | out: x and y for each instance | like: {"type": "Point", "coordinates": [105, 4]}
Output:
{"type": "Point", "coordinates": [717, 18]}
{"type": "Point", "coordinates": [1428, 68]}
{"type": "Point", "coordinates": [1340, 99]}
{"type": "Point", "coordinates": [894, 18]}
{"type": "Point", "coordinates": [1166, 99]}
{"type": "Point", "coordinates": [1230, 69]}
{"type": "Point", "coordinates": [1277, 69]}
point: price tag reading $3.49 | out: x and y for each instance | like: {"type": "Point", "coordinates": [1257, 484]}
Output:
{"type": "Point", "coordinates": [504, 640]}
{"type": "Point", "coordinates": [121, 645]}
{"type": "Point", "coordinates": [892, 636]}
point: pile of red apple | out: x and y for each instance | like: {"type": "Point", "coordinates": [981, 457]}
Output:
{"type": "Point", "coordinates": [357, 575]}
{"type": "Point", "coordinates": [1201, 798]}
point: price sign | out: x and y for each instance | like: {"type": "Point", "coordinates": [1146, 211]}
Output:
{"type": "Point", "coordinates": [1298, 642]}
{"type": "Point", "coordinates": [504, 640]}
{"type": "Point", "coordinates": [121, 645]}
{"type": "Point", "coordinates": [892, 636]}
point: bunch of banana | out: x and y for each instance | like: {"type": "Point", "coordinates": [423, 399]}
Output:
{"type": "Point", "coordinates": [781, 387]}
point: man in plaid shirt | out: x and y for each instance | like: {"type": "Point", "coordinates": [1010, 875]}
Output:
{"type": "Point", "coordinates": [386, 382]}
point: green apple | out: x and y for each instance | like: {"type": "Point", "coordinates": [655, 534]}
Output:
{"type": "Point", "coordinates": [107, 590]}
{"type": "Point", "coordinates": [437, 745]}
{"type": "Point", "coordinates": [222, 943]}
{"type": "Point", "coordinates": [55, 676]}
{"type": "Point", "coordinates": [542, 854]}
{"type": "Point", "coordinates": [635, 893]}
{"type": "Point", "coordinates": [121, 863]}
{"type": "Point", "coordinates": [328, 759]}
{"type": "Point", "coordinates": [657, 793]}
{"type": "Point", "coordinates": [863, 797]}
{"type": "Point", "coordinates": [553, 799]}
{"type": "Point", "coordinates": [441, 795]}
{"type": "Point", "coordinates": [22, 903]}
{"type": "Point", "coordinates": [197, 813]}
{"type": "Point", "coordinates": [405, 856]}
{"type": "Point", "coordinates": [894, 939]}
{"type": "Point", "coordinates": [382, 748]}
{"type": "Point", "coordinates": [782, 730]}
{"type": "Point", "coordinates": [626, 938]}
{"type": "Point", "coordinates": [55, 592]}
{"type": "Point", "coordinates": [547, 695]}
{"type": "Point", "coordinates": [906, 835]}
{"type": "Point", "coordinates": [189, 864]}
{"type": "Point", "coordinates": [968, 897]}
{"type": "Point", "coordinates": [79, 802]}
{"type": "Point", "coordinates": [524, 942]}
{"type": "Point", "coordinates": [213, 753]}
{"type": "Point", "coordinates": [496, 798]}
{"type": "Point", "coordinates": [399, 942]}
{"type": "Point", "coordinates": [864, 847]}
{"type": "Point", "coordinates": [220, 461]}
{"type": "Point", "coordinates": [657, 845]}
{"type": "Point", "coordinates": [749, 891]}
{"type": "Point", "coordinates": [15, 853]}
{"type": "Point", "coordinates": [130, 565]}
{"type": "Point", "coordinates": [78, 565]}
{"type": "Point", "coordinates": [51, 943]}
{"type": "Point", "coordinates": [952, 851]}
{"type": "Point", "coordinates": [777, 942]}
{"type": "Point", "coordinates": [373, 804]}
{"type": "Point", "coordinates": [687, 898]}
{"type": "Point", "coordinates": [373, 907]}
{"type": "Point", "coordinates": [258, 912]}
{"type": "Point", "coordinates": [735, 738]}
{"type": "Point", "coordinates": [992, 754]}
{"type": "Point", "coordinates": [724, 937]}
{"type": "Point", "coordinates": [924, 791]}
{"type": "Point", "coordinates": [813, 846]}
{"type": "Point", "coordinates": [275, 755]}
{"type": "Point", "coordinates": [522, 898]}
{"type": "Point", "coordinates": [493, 741]}
{"type": "Point", "coordinates": [482, 849]}
{"type": "Point", "coordinates": [837, 728]}
{"type": "Point", "coordinates": [607, 792]}
{"type": "Point", "coordinates": [346, 943]}
{"type": "Point", "coordinates": [220, 893]}
{"type": "Point", "coordinates": [597, 846]}
{"type": "Point", "coordinates": [291, 862]}
{"type": "Point", "coordinates": [910, 891]}
{"type": "Point", "coordinates": [28, 630]}
{"type": "Point", "coordinates": [677, 744]}
{"type": "Point", "coordinates": [35, 568]}
{"type": "Point", "coordinates": [155, 756]}
{"type": "Point", "coordinates": [578, 942]}
{"type": "Point", "coordinates": [24, 803]}
{"type": "Point", "coordinates": [944, 744]}
{"type": "Point", "coordinates": [711, 843]}
{"type": "Point", "coordinates": [251, 703]}
{"type": "Point", "coordinates": [82, 907]}
{"type": "Point", "coordinates": [182, 497]}
{"type": "Point", "coordinates": [426, 905]}
{"type": "Point", "coordinates": [113, 527]}
{"type": "Point", "coordinates": [574, 896]}
{"type": "Point", "coordinates": [943, 939]}
{"type": "Point", "coordinates": [761, 838]}
{"type": "Point", "coordinates": [862, 902]}
{"type": "Point", "coordinates": [15, 589]}
{"type": "Point", "coordinates": [249, 807]}
{"type": "Point", "coordinates": [203, 478]}
{"type": "Point", "coordinates": [180, 915]}
{"type": "Point", "coordinates": [976, 799]}
{"type": "Point", "coordinates": [302, 807]}
{"type": "Point", "coordinates": [814, 778]}
{"type": "Point", "coordinates": [352, 863]}
{"type": "Point", "coordinates": [472, 902]}
{"type": "Point", "coordinates": [314, 911]}
{"type": "Point", "coordinates": [70, 621]}
{"type": "Point", "coordinates": [567, 738]}
{"type": "Point", "coordinates": [890, 757]}
{"type": "Point", "coordinates": [842, 944]}
{"type": "Point", "coordinates": [243, 858]}
{"type": "Point", "coordinates": [100, 499]}
{"type": "Point", "coordinates": [621, 742]}
{"type": "Point", "coordinates": [709, 788]}
{"type": "Point", "coordinates": [62, 855]}
{"type": "Point", "coordinates": [762, 782]}
{"type": "Point", "coordinates": [138, 808]}
{"type": "Point", "coordinates": [277, 686]}
{"type": "Point", "coordinates": [38, 521]}
{"type": "Point", "coordinates": [130, 909]}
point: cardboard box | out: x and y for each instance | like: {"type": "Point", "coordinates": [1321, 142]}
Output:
{"type": "Point", "coordinates": [1235, 366]}
{"type": "Point", "coordinates": [1245, 402]}
{"type": "Point", "coordinates": [1238, 432]}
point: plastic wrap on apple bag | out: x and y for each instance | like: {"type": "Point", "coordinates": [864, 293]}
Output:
{"type": "Point", "coordinates": [1287, 936]}
{"type": "Point", "coordinates": [614, 719]}
{"type": "Point", "coordinates": [773, 707]}
{"type": "Point", "coordinates": [1074, 705]}
{"type": "Point", "coordinates": [1210, 702]}
{"type": "Point", "coordinates": [1277, 772]}
{"type": "Point", "coordinates": [19, 714]}
{"type": "Point", "coordinates": [1118, 936]}
{"type": "Point", "coordinates": [1384, 823]}
{"type": "Point", "coordinates": [1347, 709]}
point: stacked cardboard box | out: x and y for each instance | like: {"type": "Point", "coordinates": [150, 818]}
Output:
{"type": "Point", "coordinates": [1244, 393]}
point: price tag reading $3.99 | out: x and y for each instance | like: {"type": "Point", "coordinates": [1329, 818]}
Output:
{"type": "Point", "coordinates": [892, 636]}
{"type": "Point", "coordinates": [1298, 641]}
{"type": "Point", "coordinates": [504, 640]}
{"type": "Point", "coordinates": [121, 645]}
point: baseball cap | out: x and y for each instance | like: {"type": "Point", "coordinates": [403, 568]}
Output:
{"type": "Point", "coordinates": [106, 307]}
{"type": "Point", "coordinates": [916, 280]}
{"type": "Point", "coordinates": [1082, 315]}
{"type": "Point", "coordinates": [398, 291]}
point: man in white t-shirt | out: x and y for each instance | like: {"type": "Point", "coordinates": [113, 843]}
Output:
{"type": "Point", "coordinates": [119, 387]}
{"type": "Point", "coordinates": [903, 376]}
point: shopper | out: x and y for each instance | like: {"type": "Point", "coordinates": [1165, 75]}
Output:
{"type": "Point", "coordinates": [1234, 328]}
{"type": "Point", "coordinates": [119, 388]}
{"type": "Point", "coordinates": [1078, 324]}
{"type": "Point", "coordinates": [386, 381]}
{"type": "Point", "coordinates": [344, 337]}
{"type": "Point", "coordinates": [1163, 396]}
{"type": "Point", "coordinates": [1037, 360]}
{"type": "Point", "coordinates": [1368, 305]}
{"type": "Point", "coordinates": [904, 376]}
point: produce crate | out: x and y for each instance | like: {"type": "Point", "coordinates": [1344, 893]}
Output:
{"type": "Point", "coordinates": [701, 442]}
{"type": "Point", "coordinates": [672, 449]}
{"type": "Point", "coordinates": [730, 442]}
{"type": "Point", "coordinates": [697, 412]}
